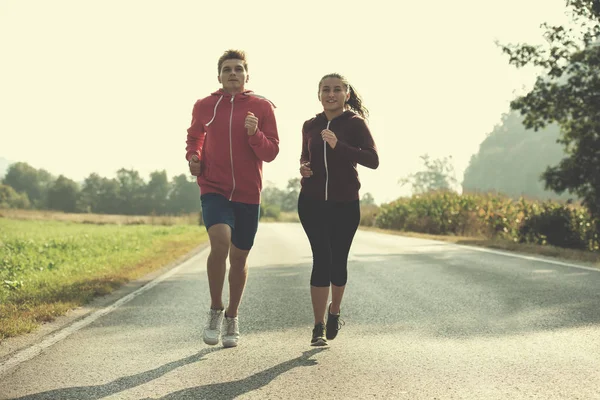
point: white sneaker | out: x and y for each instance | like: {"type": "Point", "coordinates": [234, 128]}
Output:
{"type": "Point", "coordinates": [212, 329]}
{"type": "Point", "coordinates": [232, 332]}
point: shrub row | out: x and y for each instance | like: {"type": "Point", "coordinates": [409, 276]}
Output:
{"type": "Point", "coordinates": [492, 216]}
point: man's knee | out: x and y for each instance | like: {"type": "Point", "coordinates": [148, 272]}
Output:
{"type": "Point", "coordinates": [238, 257]}
{"type": "Point", "coordinates": [220, 238]}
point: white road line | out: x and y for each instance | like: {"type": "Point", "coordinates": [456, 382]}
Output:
{"type": "Point", "coordinates": [32, 351]}
{"type": "Point", "coordinates": [530, 258]}
{"type": "Point", "coordinates": [498, 252]}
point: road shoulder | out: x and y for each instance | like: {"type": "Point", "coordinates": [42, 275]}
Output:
{"type": "Point", "coordinates": [12, 345]}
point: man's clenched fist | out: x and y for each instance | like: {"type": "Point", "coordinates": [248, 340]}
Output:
{"type": "Point", "coordinates": [195, 167]}
{"type": "Point", "coordinates": [251, 123]}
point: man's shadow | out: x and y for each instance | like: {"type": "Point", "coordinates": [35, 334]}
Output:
{"type": "Point", "coordinates": [118, 385]}
{"type": "Point", "coordinates": [228, 390]}
{"type": "Point", "coordinates": [233, 389]}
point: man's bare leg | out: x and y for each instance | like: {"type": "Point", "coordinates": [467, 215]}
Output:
{"type": "Point", "coordinates": [238, 274]}
{"type": "Point", "coordinates": [220, 238]}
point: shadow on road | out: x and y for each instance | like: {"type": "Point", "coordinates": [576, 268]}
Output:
{"type": "Point", "coordinates": [233, 389]}
{"type": "Point", "coordinates": [217, 391]}
{"type": "Point", "coordinates": [118, 385]}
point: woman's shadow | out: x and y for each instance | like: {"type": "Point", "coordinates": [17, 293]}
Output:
{"type": "Point", "coordinates": [232, 389]}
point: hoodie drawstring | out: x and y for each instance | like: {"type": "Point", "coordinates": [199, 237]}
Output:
{"type": "Point", "coordinates": [326, 167]}
{"type": "Point", "coordinates": [215, 111]}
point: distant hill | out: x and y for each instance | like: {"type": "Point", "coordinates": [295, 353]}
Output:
{"type": "Point", "coordinates": [511, 160]}
{"type": "Point", "coordinates": [4, 163]}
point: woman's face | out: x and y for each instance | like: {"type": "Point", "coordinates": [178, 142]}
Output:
{"type": "Point", "coordinates": [333, 94]}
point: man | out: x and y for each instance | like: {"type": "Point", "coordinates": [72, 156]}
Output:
{"type": "Point", "coordinates": [232, 132]}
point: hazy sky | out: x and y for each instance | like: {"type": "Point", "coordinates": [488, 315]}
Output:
{"type": "Point", "coordinates": [95, 86]}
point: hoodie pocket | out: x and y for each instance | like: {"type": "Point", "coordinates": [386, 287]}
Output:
{"type": "Point", "coordinates": [206, 170]}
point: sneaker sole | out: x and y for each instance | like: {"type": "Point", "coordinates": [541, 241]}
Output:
{"type": "Point", "coordinates": [319, 342]}
{"type": "Point", "coordinates": [229, 344]}
{"type": "Point", "coordinates": [211, 342]}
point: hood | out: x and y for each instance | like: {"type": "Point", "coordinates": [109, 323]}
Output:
{"type": "Point", "coordinates": [345, 115]}
{"type": "Point", "coordinates": [246, 93]}
{"type": "Point", "coordinates": [222, 94]}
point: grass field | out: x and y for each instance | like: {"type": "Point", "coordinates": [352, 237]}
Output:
{"type": "Point", "coordinates": [99, 219]}
{"type": "Point", "coordinates": [48, 267]}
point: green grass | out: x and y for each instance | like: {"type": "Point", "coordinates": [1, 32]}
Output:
{"type": "Point", "coordinates": [49, 267]}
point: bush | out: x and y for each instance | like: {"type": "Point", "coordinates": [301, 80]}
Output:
{"type": "Point", "coordinates": [492, 216]}
{"type": "Point", "coordinates": [9, 198]}
{"type": "Point", "coordinates": [438, 213]}
{"type": "Point", "coordinates": [269, 211]}
{"type": "Point", "coordinates": [368, 214]}
{"type": "Point", "coordinates": [558, 225]}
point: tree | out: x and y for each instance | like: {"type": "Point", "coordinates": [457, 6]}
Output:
{"type": "Point", "coordinates": [89, 197]}
{"type": "Point", "coordinates": [272, 195]}
{"type": "Point", "coordinates": [367, 199]}
{"type": "Point", "coordinates": [23, 178]}
{"type": "Point", "coordinates": [132, 190]}
{"type": "Point", "coordinates": [494, 168]}
{"type": "Point", "coordinates": [157, 193]}
{"type": "Point", "coordinates": [568, 95]}
{"type": "Point", "coordinates": [63, 195]}
{"type": "Point", "coordinates": [290, 200]}
{"type": "Point", "coordinates": [184, 197]}
{"type": "Point", "coordinates": [438, 175]}
{"type": "Point", "coordinates": [109, 197]}
{"type": "Point", "coordinates": [9, 198]}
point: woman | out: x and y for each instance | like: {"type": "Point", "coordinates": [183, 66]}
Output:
{"type": "Point", "coordinates": [333, 143]}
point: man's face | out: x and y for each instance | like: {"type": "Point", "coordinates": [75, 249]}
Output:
{"type": "Point", "coordinates": [233, 76]}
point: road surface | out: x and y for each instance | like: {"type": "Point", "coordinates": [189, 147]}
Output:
{"type": "Point", "coordinates": [424, 320]}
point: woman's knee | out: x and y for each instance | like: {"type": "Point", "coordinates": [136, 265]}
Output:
{"type": "Point", "coordinates": [339, 272]}
{"type": "Point", "coordinates": [319, 277]}
{"type": "Point", "coordinates": [340, 278]}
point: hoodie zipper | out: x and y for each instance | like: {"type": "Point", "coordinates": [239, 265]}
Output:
{"type": "Point", "coordinates": [326, 168]}
{"type": "Point", "coordinates": [231, 148]}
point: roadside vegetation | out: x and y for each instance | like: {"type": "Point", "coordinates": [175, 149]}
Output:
{"type": "Point", "coordinates": [53, 262]}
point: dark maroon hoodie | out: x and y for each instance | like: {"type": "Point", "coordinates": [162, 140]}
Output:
{"type": "Point", "coordinates": [335, 176]}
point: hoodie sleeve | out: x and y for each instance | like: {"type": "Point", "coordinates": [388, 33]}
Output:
{"type": "Point", "coordinates": [304, 155]}
{"type": "Point", "coordinates": [265, 142]}
{"type": "Point", "coordinates": [366, 153]}
{"type": "Point", "coordinates": [195, 134]}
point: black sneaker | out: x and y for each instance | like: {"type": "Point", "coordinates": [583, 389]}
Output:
{"type": "Point", "coordinates": [334, 324]}
{"type": "Point", "coordinates": [318, 335]}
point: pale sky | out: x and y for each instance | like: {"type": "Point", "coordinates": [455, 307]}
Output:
{"type": "Point", "coordinates": [95, 86]}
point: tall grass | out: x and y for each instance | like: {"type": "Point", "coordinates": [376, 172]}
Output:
{"type": "Point", "coordinates": [100, 219]}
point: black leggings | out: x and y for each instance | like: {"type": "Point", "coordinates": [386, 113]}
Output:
{"type": "Point", "coordinates": [330, 227]}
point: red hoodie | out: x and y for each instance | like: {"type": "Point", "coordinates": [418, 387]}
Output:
{"type": "Point", "coordinates": [231, 160]}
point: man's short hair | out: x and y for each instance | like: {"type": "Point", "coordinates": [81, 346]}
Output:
{"type": "Point", "coordinates": [233, 55]}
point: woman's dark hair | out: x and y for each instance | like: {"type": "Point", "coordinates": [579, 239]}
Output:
{"type": "Point", "coordinates": [355, 101]}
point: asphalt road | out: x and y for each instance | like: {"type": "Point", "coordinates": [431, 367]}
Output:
{"type": "Point", "coordinates": [424, 320]}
